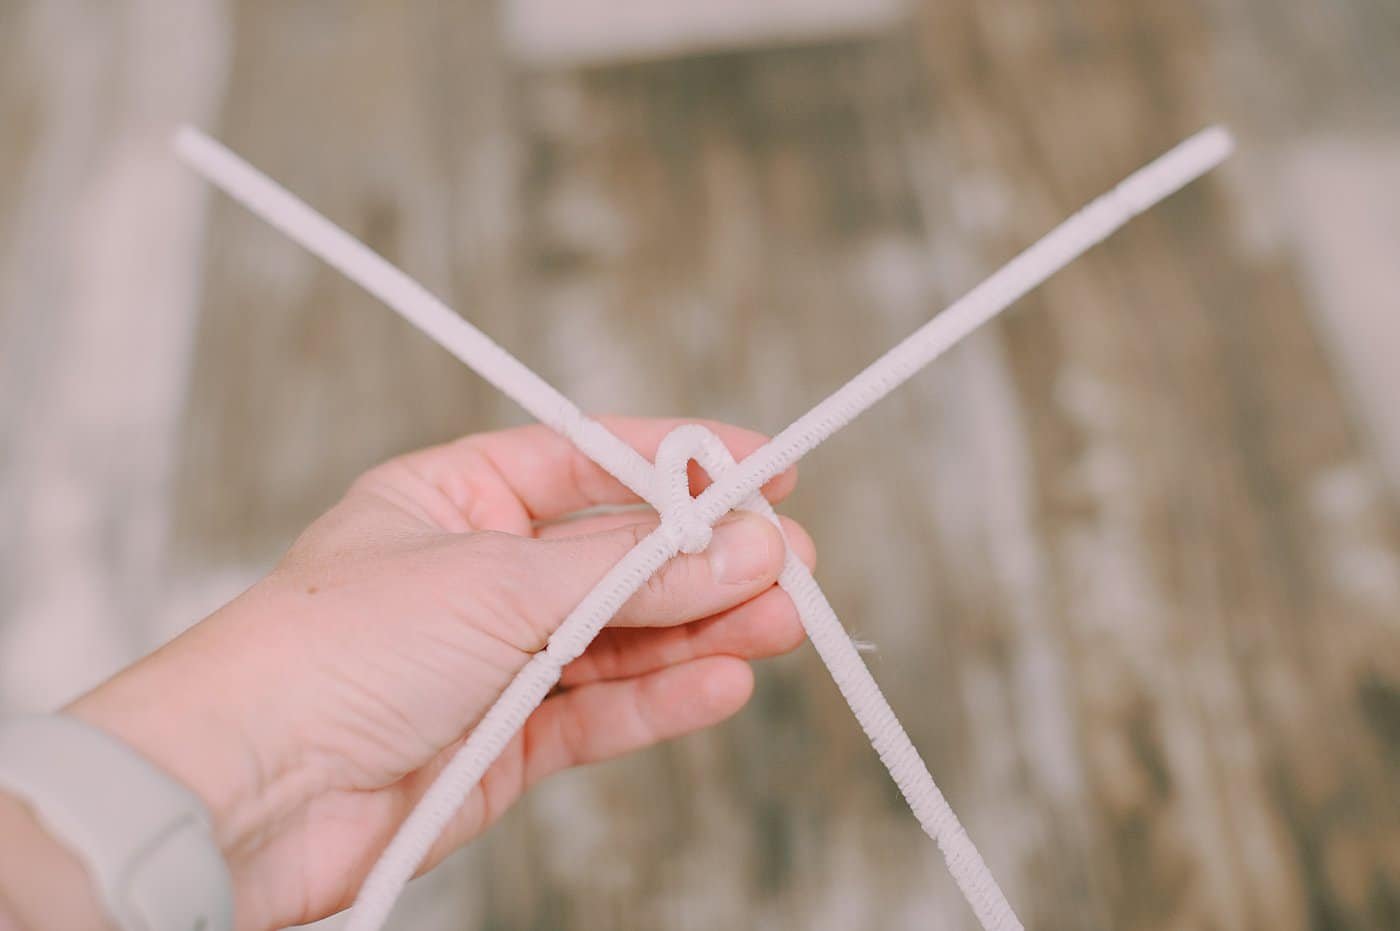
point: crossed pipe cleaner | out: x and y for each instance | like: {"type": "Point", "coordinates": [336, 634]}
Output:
{"type": "Point", "coordinates": [686, 521]}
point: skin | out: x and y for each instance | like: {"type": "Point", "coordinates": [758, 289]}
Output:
{"type": "Point", "coordinates": [312, 711]}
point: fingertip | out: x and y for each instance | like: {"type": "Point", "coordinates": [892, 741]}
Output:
{"type": "Point", "coordinates": [727, 684]}
{"type": "Point", "coordinates": [776, 628]}
{"type": "Point", "coordinates": [801, 542]}
{"type": "Point", "coordinates": [746, 551]}
{"type": "Point", "coordinates": [781, 485]}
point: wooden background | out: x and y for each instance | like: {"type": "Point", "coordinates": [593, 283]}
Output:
{"type": "Point", "coordinates": [1130, 557]}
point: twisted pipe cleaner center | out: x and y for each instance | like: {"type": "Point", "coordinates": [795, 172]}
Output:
{"type": "Point", "coordinates": [680, 513]}
{"type": "Point", "coordinates": [686, 521]}
{"type": "Point", "coordinates": [683, 529]}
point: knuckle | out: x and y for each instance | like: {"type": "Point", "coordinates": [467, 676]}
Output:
{"type": "Point", "coordinates": [509, 593]}
{"type": "Point", "coordinates": [667, 589]}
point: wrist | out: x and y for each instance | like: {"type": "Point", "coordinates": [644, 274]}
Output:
{"type": "Point", "coordinates": [183, 709]}
{"type": "Point", "coordinates": [186, 742]}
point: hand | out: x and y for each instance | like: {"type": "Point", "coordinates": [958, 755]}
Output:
{"type": "Point", "coordinates": [314, 710]}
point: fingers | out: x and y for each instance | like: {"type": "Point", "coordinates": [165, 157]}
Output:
{"type": "Point", "coordinates": [760, 628]}
{"type": "Point", "coordinates": [766, 625]}
{"type": "Point", "coordinates": [744, 557]}
{"type": "Point", "coordinates": [497, 480]}
{"type": "Point", "coordinates": [607, 719]}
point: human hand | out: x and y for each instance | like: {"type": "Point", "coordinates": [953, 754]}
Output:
{"type": "Point", "coordinates": [312, 711]}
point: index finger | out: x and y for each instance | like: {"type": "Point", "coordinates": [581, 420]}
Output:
{"type": "Point", "coordinates": [502, 479]}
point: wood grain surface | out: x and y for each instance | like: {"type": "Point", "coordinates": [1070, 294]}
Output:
{"type": "Point", "coordinates": [1130, 557]}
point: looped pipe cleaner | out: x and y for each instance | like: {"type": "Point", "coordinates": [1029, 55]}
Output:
{"type": "Point", "coordinates": [686, 521]}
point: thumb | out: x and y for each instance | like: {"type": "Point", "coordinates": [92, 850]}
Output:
{"type": "Point", "coordinates": [743, 559]}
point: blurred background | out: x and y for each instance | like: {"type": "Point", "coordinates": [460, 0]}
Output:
{"type": "Point", "coordinates": [1130, 557]}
